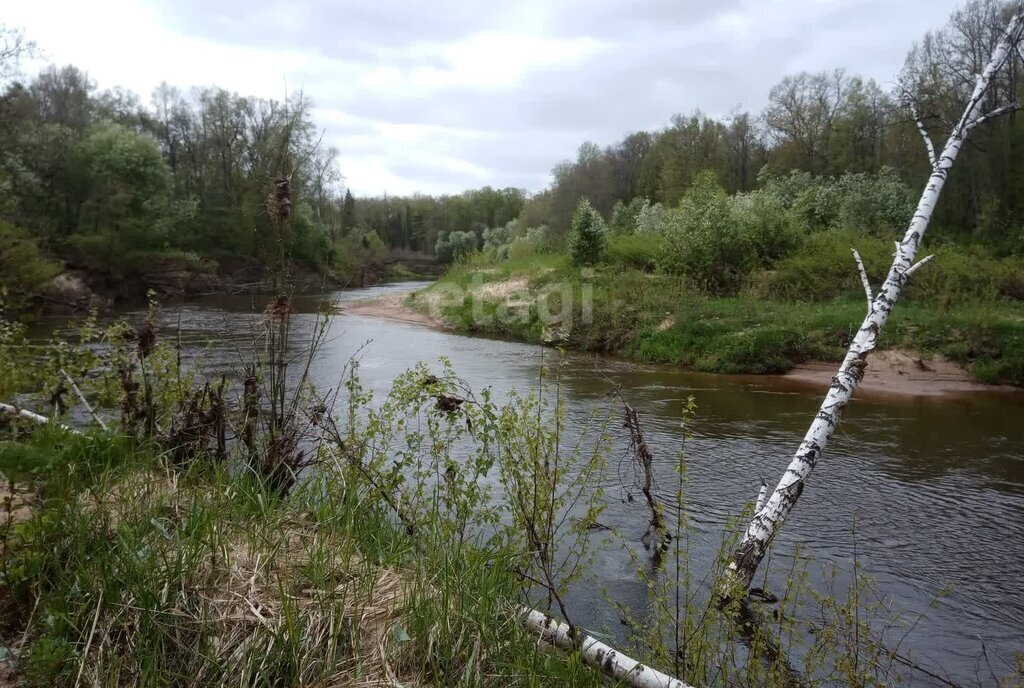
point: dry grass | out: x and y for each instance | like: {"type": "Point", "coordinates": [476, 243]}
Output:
{"type": "Point", "coordinates": [252, 594]}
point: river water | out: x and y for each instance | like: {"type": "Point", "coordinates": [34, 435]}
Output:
{"type": "Point", "coordinates": [927, 492]}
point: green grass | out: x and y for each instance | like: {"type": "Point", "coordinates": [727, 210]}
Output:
{"type": "Point", "coordinates": [659, 318]}
{"type": "Point", "coordinates": [128, 573]}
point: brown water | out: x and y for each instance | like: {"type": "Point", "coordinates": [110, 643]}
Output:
{"type": "Point", "coordinates": [934, 485]}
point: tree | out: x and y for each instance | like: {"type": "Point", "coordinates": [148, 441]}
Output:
{"type": "Point", "coordinates": [771, 511]}
{"type": "Point", "coordinates": [13, 46]}
{"type": "Point", "coordinates": [588, 240]}
{"type": "Point", "coordinates": [348, 213]}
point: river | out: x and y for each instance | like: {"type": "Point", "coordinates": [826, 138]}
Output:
{"type": "Point", "coordinates": [929, 492]}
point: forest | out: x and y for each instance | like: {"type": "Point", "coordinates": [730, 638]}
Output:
{"type": "Point", "coordinates": [103, 182]}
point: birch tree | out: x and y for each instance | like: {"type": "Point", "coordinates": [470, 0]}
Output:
{"type": "Point", "coordinates": [771, 512]}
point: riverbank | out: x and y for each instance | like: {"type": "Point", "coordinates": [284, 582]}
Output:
{"type": "Point", "coordinates": [925, 350]}
{"type": "Point", "coordinates": [175, 275]}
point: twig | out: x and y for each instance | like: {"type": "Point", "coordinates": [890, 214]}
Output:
{"type": "Point", "coordinates": [81, 398]}
{"type": "Point", "coordinates": [642, 454]}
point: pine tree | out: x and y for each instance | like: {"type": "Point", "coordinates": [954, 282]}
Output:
{"type": "Point", "coordinates": [348, 213]}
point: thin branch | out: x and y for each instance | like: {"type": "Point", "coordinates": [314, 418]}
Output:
{"type": "Point", "coordinates": [81, 398]}
{"type": "Point", "coordinates": [998, 112]}
{"type": "Point", "coordinates": [913, 268]}
{"type": "Point", "coordinates": [924, 133]}
{"type": "Point", "coordinates": [863, 277]}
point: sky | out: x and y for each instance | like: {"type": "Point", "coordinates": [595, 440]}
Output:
{"type": "Point", "coordinates": [441, 96]}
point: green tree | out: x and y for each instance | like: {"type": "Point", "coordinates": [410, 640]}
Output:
{"type": "Point", "coordinates": [588, 240]}
{"type": "Point", "coordinates": [348, 213]}
{"type": "Point", "coordinates": [123, 182]}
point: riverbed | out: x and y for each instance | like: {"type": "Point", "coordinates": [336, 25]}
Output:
{"type": "Point", "coordinates": [925, 492]}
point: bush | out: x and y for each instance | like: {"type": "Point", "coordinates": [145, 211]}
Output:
{"type": "Point", "coordinates": [768, 227]}
{"type": "Point", "coordinates": [703, 241]}
{"type": "Point", "coordinates": [455, 245]}
{"type": "Point", "coordinates": [823, 268]}
{"type": "Point", "coordinates": [650, 219]}
{"type": "Point", "coordinates": [879, 203]}
{"type": "Point", "coordinates": [625, 215]}
{"type": "Point", "coordinates": [588, 241]}
{"type": "Point", "coordinates": [23, 269]}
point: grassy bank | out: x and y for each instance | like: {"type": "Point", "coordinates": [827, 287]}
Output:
{"type": "Point", "coordinates": [129, 572]}
{"type": "Point", "coordinates": [662, 318]}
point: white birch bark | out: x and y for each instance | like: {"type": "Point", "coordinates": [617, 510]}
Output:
{"type": "Point", "coordinates": [25, 414]}
{"type": "Point", "coordinates": [595, 654]}
{"type": "Point", "coordinates": [766, 522]}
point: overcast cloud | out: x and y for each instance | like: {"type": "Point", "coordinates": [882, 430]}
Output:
{"type": "Point", "coordinates": [438, 97]}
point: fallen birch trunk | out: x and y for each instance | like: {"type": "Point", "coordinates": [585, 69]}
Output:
{"type": "Point", "coordinates": [596, 654]}
{"type": "Point", "coordinates": [25, 414]}
{"type": "Point", "coordinates": [771, 513]}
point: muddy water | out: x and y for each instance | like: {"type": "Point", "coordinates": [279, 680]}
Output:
{"type": "Point", "coordinates": [932, 487]}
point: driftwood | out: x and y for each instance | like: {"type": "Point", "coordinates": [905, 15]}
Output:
{"type": "Point", "coordinates": [769, 517]}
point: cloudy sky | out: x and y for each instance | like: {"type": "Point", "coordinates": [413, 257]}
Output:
{"type": "Point", "coordinates": [446, 95]}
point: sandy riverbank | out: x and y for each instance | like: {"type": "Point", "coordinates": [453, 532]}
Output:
{"type": "Point", "coordinates": [392, 307]}
{"type": "Point", "coordinates": [900, 373]}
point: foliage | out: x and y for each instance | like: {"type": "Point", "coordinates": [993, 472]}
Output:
{"type": "Point", "coordinates": [454, 246]}
{"type": "Point", "coordinates": [588, 240]}
{"type": "Point", "coordinates": [702, 240]}
{"type": "Point", "coordinates": [23, 269]}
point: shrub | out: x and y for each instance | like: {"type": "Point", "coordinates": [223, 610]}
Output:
{"type": "Point", "coordinates": [765, 222]}
{"type": "Point", "coordinates": [824, 268]}
{"type": "Point", "coordinates": [878, 203]}
{"type": "Point", "coordinates": [650, 218]}
{"type": "Point", "coordinates": [23, 269]}
{"type": "Point", "coordinates": [588, 240]}
{"type": "Point", "coordinates": [625, 215]}
{"type": "Point", "coordinates": [455, 245]}
{"type": "Point", "coordinates": [702, 240]}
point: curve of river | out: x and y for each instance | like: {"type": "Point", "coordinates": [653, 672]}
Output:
{"type": "Point", "coordinates": [933, 487]}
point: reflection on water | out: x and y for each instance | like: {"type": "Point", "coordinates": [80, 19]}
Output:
{"type": "Point", "coordinates": [935, 486]}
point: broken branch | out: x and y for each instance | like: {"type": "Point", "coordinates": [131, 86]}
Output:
{"type": "Point", "coordinates": [863, 277]}
{"type": "Point", "coordinates": [81, 398]}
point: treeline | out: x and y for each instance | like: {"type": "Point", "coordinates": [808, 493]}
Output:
{"type": "Point", "coordinates": [826, 125]}
{"type": "Point", "coordinates": [418, 221]}
{"type": "Point", "coordinates": [102, 179]}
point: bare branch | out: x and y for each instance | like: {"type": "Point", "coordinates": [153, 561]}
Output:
{"type": "Point", "coordinates": [81, 398]}
{"type": "Point", "coordinates": [924, 133]}
{"type": "Point", "coordinates": [863, 277]}
{"type": "Point", "coordinates": [998, 112]}
{"type": "Point", "coordinates": [913, 268]}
